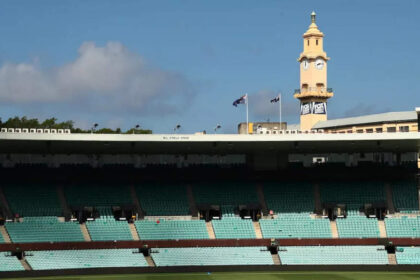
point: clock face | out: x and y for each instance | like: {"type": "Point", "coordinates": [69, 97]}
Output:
{"type": "Point", "coordinates": [319, 63]}
{"type": "Point", "coordinates": [305, 64]}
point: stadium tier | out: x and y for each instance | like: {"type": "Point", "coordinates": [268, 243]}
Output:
{"type": "Point", "coordinates": [100, 196]}
{"type": "Point", "coordinates": [68, 259]}
{"type": "Point", "coordinates": [163, 199]}
{"type": "Point", "coordinates": [107, 228]}
{"type": "Point", "coordinates": [33, 199]}
{"type": "Point", "coordinates": [285, 198]}
{"type": "Point", "coordinates": [9, 262]}
{"type": "Point", "coordinates": [354, 195]}
{"type": "Point", "coordinates": [233, 227]}
{"type": "Point", "coordinates": [295, 226]}
{"type": "Point", "coordinates": [212, 256]}
{"type": "Point", "coordinates": [228, 195]}
{"type": "Point", "coordinates": [171, 230]}
{"type": "Point", "coordinates": [324, 255]}
{"type": "Point", "coordinates": [43, 229]}
{"type": "Point", "coordinates": [407, 255]}
{"type": "Point", "coordinates": [405, 196]}
{"type": "Point", "coordinates": [403, 226]}
{"type": "Point", "coordinates": [357, 227]}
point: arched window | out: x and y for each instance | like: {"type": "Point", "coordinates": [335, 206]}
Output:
{"type": "Point", "coordinates": [317, 42]}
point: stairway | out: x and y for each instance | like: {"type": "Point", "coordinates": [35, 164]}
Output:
{"type": "Point", "coordinates": [257, 228]}
{"type": "Point", "coordinates": [5, 234]}
{"type": "Point", "coordinates": [261, 199]}
{"type": "Point", "coordinates": [25, 264]}
{"type": "Point", "coordinates": [136, 202]}
{"type": "Point", "coordinates": [150, 261]}
{"type": "Point", "coordinates": [317, 199]}
{"type": "Point", "coordinates": [134, 232]}
{"type": "Point", "coordinates": [389, 201]}
{"type": "Point", "coordinates": [210, 230]}
{"type": "Point", "coordinates": [5, 204]}
{"type": "Point", "coordinates": [392, 259]}
{"type": "Point", "coordinates": [191, 201]}
{"type": "Point", "coordinates": [85, 232]}
{"type": "Point", "coordinates": [334, 230]}
{"type": "Point", "coordinates": [63, 201]}
{"type": "Point", "coordinates": [382, 229]}
{"type": "Point", "coordinates": [276, 259]}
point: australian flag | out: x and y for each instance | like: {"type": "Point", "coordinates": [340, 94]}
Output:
{"type": "Point", "coordinates": [274, 100]}
{"type": "Point", "coordinates": [241, 100]}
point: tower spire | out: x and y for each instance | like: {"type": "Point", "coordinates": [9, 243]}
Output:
{"type": "Point", "coordinates": [313, 17]}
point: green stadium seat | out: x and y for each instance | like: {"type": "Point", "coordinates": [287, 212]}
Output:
{"type": "Point", "coordinates": [358, 227]}
{"type": "Point", "coordinates": [403, 227]}
{"type": "Point", "coordinates": [9, 263]}
{"type": "Point", "coordinates": [405, 196]}
{"type": "Point", "coordinates": [212, 256]}
{"type": "Point", "coordinates": [233, 227]}
{"type": "Point", "coordinates": [95, 258]}
{"type": "Point", "coordinates": [107, 228]}
{"type": "Point", "coordinates": [333, 255]}
{"type": "Point", "coordinates": [171, 229]}
{"type": "Point", "coordinates": [407, 255]}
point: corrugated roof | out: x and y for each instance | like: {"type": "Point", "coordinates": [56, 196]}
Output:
{"type": "Point", "coordinates": [369, 119]}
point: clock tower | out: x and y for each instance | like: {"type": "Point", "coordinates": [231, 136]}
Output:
{"type": "Point", "coordinates": [313, 92]}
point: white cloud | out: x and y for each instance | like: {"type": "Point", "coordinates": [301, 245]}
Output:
{"type": "Point", "coordinates": [109, 78]}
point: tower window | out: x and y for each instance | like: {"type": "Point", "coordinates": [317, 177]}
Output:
{"type": "Point", "coordinates": [317, 42]}
{"type": "Point", "coordinates": [307, 41]}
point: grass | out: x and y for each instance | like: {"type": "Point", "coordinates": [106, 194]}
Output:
{"type": "Point", "coordinates": [248, 276]}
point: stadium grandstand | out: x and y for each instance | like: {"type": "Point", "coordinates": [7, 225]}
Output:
{"type": "Point", "coordinates": [316, 195]}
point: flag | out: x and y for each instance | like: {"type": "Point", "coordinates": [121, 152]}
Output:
{"type": "Point", "coordinates": [241, 100]}
{"type": "Point", "coordinates": [274, 100]}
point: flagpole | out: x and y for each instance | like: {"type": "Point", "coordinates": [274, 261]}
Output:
{"type": "Point", "coordinates": [247, 123]}
{"type": "Point", "coordinates": [280, 109]}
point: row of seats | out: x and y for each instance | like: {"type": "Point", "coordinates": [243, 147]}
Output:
{"type": "Point", "coordinates": [72, 259]}
{"type": "Point", "coordinates": [407, 255]}
{"type": "Point", "coordinates": [107, 228]}
{"type": "Point", "coordinates": [164, 230]}
{"type": "Point", "coordinates": [403, 227]}
{"type": "Point", "coordinates": [212, 256]}
{"type": "Point", "coordinates": [330, 255]}
{"type": "Point", "coordinates": [9, 263]}
{"type": "Point", "coordinates": [358, 227]}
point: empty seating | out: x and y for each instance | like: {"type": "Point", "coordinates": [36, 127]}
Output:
{"type": "Point", "coordinates": [295, 226]}
{"type": "Point", "coordinates": [9, 263]}
{"type": "Point", "coordinates": [33, 199]}
{"type": "Point", "coordinates": [226, 194]}
{"type": "Point", "coordinates": [163, 199]}
{"type": "Point", "coordinates": [69, 259]}
{"type": "Point", "coordinates": [212, 256]}
{"type": "Point", "coordinates": [107, 228]}
{"type": "Point", "coordinates": [43, 229]}
{"type": "Point", "coordinates": [329, 255]}
{"type": "Point", "coordinates": [407, 255]}
{"type": "Point", "coordinates": [166, 230]}
{"type": "Point", "coordinates": [103, 196]}
{"type": "Point", "coordinates": [357, 226]}
{"type": "Point", "coordinates": [233, 227]}
{"type": "Point", "coordinates": [287, 197]}
{"type": "Point", "coordinates": [354, 194]}
{"type": "Point", "coordinates": [405, 196]}
{"type": "Point", "coordinates": [403, 227]}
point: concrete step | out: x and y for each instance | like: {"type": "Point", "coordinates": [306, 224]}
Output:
{"type": "Point", "coordinates": [25, 264]}
{"type": "Point", "coordinates": [261, 199]}
{"type": "Point", "coordinates": [257, 228]}
{"type": "Point", "coordinates": [85, 232]}
{"type": "Point", "coordinates": [150, 261]}
{"type": "Point", "coordinates": [276, 259]}
{"type": "Point", "coordinates": [392, 259]}
{"type": "Point", "coordinates": [134, 232]}
{"type": "Point", "coordinates": [389, 200]}
{"type": "Point", "coordinates": [136, 202]}
{"type": "Point", "coordinates": [191, 201]}
{"type": "Point", "coordinates": [5, 234]}
{"type": "Point", "coordinates": [334, 229]}
{"type": "Point", "coordinates": [382, 229]}
{"type": "Point", "coordinates": [210, 230]}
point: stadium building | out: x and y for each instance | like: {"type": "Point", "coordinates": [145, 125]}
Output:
{"type": "Point", "coordinates": [73, 203]}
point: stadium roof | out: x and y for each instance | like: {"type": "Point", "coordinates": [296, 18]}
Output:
{"type": "Point", "coordinates": [33, 143]}
{"type": "Point", "coordinates": [369, 119]}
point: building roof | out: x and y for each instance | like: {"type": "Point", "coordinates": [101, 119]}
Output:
{"type": "Point", "coordinates": [369, 119]}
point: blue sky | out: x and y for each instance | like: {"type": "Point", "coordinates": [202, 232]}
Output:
{"type": "Point", "coordinates": [159, 63]}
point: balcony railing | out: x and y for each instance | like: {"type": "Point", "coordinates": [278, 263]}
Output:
{"type": "Point", "coordinates": [314, 89]}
